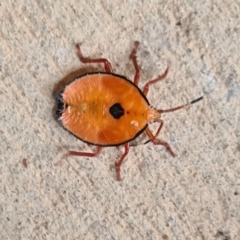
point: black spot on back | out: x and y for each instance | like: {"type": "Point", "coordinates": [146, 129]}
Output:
{"type": "Point", "coordinates": [116, 110]}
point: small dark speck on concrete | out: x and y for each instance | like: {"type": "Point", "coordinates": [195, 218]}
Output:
{"type": "Point", "coordinates": [222, 235]}
{"type": "Point", "coordinates": [165, 237]}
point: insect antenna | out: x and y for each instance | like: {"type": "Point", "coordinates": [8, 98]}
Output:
{"type": "Point", "coordinates": [180, 107]}
{"type": "Point", "coordinates": [177, 108]}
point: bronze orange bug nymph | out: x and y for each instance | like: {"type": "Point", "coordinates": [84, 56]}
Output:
{"type": "Point", "coordinates": [106, 109]}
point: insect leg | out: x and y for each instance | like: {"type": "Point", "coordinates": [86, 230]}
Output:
{"type": "Point", "coordinates": [158, 131]}
{"type": "Point", "coordinates": [156, 141]}
{"type": "Point", "coordinates": [81, 154]}
{"type": "Point", "coordinates": [107, 64]}
{"type": "Point", "coordinates": [147, 85]}
{"type": "Point", "coordinates": [134, 59]}
{"type": "Point", "coordinates": [119, 163]}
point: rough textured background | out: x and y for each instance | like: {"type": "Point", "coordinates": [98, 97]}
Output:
{"type": "Point", "coordinates": [193, 196]}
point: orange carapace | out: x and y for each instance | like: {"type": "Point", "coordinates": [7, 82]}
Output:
{"type": "Point", "coordinates": [107, 109]}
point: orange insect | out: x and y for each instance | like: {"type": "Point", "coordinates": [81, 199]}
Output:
{"type": "Point", "coordinates": [107, 109]}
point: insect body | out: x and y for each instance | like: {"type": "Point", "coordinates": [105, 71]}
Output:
{"type": "Point", "coordinates": [106, 109]}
